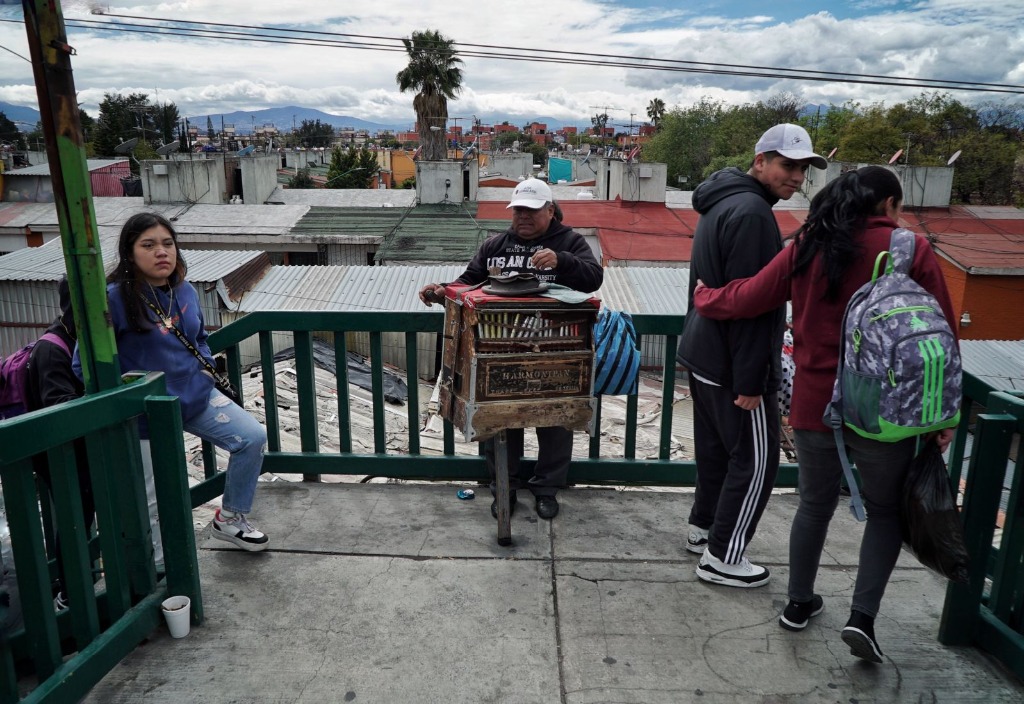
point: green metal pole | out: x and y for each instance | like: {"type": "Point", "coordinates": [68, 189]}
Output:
{"type": "Point", "coordinates": [65, 150]}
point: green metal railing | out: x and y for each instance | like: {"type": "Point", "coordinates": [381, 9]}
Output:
{"type": "Point", "coordinates": [111, 624]}
{"type": "Point", "coordinates": [102, 624]}
{"type": "Point", "coordinates": [988, 611]}
{"type": "Point", "coordinates": [626, 469]}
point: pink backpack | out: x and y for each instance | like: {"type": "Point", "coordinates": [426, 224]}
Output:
{"type": "Point", "coordinates": [14, 376]}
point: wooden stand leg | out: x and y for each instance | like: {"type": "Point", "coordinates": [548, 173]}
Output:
{"type": "Point", "coordinates": [501, 490]}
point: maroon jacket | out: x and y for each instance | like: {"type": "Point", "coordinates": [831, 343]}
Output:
{"type": "Point", "coordinates": [816, 322]}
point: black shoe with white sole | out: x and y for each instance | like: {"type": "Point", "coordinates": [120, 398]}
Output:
{"type": "Point", "coordinates": [799, 613]}
{"type": "Point", "coordinates": [859, 634]}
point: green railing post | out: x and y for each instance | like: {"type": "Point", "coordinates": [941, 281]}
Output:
{"type": "Point", "coordinates": [959, 622]}
{"type": "Point", "coordinates": [72, 192]}
{"type": "Point", "coordinates": [172, 492]}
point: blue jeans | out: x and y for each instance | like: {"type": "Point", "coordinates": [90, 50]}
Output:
{"type": "Point", "coordinates": [230, 427]}
{"type": "Point", "coordinates": [883, 468]}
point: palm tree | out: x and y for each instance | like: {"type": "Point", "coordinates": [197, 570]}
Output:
{"type": "Point", "coordinates": [433, 71]}
{"type": "Point", "coordinates": [656, 111]}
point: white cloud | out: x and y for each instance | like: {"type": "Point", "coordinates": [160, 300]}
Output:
{"type": "Point", "coordinates": [976, 40]}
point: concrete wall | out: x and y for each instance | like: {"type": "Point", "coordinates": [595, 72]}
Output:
{"type": "Point", "coordinates": [259, 177]}
{"type": "Point", "coordinates": [184, 181]}
{"type": "Point", "coordinates": [634, 182]}
{"type": "Point", "coordinates": [446, 181]}
{"type": "Point", "coordinates": [923, 186]}
{"type": "Point", "coordinates": [510, 165]}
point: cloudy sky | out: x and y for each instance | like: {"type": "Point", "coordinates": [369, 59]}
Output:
{"type": "Point", "coordinates": [960, 40]}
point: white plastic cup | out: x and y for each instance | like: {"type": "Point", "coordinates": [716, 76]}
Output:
{"type": "Point", "coordinates": [178, 613]}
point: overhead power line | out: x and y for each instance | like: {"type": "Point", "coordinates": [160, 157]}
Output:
{"type": "Point", "coordinates": [221, 31]}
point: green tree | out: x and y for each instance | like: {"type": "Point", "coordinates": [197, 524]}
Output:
{"type": "Point", "coordinates": [599, 121]}
{"type": "Point", "coordinates": [686, 141]}
{"type": "Point", "coordinates": [656, 111]}
{"type": "Point", "coordinates": [504, 140]}
{"type": "Point", "coordinates": [313, 133]}
{"type": "Point", "coordinates": [539, 152]}
{"type": "Point", "coordinates": [121, 118]}
{"type": "Point", "coordinates": [10, 134]}
{"type": "Point", "coordinates": [301, 180]}
{"type": "Point", "coordinates": [351, 168]}
{"type": "Point", "coordinates": [165, 121]}
{"type": "Point", "coordinates": [87, 124]}
{"type": "Point", "coordinates": [433, 72]}
{"type": "Point", "coordinates": [210, 134]}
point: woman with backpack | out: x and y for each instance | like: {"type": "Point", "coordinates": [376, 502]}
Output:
{"type": "Point", "coordinates": [158, 324]}
{"type": "Point", "coordinates": [832, 255]}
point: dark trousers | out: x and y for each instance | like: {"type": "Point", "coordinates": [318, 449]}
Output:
{"type": "Point", "coordinates": [883, 469]}
{"type": "Point", "coordinates": [553, 456]}
{"type": "Point", "coordinates": [737, 454]}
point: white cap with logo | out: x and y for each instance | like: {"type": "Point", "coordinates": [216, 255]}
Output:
{"type": "Point", "coordinates": [531, 193]}
{"type": "Point", "coordinates": [792, 142]}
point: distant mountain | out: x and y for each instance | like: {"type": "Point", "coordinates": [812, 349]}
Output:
{"type": "Point", "coordinates": [17, 113]}
{"type": "Point", "coordinates": [284, 119]}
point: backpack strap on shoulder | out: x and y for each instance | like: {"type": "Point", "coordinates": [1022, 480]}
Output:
{"type": "Point", "coordinates": [902, 243]}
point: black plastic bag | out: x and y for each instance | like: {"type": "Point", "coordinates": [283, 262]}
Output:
{"type": "Point", "coordinates": [930, 520]}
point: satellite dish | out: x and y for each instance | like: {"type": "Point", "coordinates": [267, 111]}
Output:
{"type": "Point", "coordinates": [832, 153]}
{"type": "Point", "coordinates": [896, 156]}
{"type": "Point", "coordinates": [126, 147]}
{"type": "Point", "coordinates": [247, 151]}
{"type": "Point", "coordinates": [168, 148]}
{"type": "Point", "coordinates": [956, 155]}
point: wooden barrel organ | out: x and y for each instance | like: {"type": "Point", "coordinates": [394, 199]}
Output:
{"type": "Point", "coordinates": [516, 362]}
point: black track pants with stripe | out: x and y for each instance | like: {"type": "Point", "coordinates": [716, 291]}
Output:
{"type": "Point", "coordinates": [737, 456]}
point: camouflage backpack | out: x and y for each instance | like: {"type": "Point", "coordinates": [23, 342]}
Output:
{"type": "Point", "coordinates": [899, 363]}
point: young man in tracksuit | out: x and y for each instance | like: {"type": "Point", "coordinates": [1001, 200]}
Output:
{"type": "Point", "coordinates": [734, 366]}
{"type": "Point", "coordinates": [537, 243]}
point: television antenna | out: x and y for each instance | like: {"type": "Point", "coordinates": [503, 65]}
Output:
{"type": "Point", "coordinates": [956, 155]}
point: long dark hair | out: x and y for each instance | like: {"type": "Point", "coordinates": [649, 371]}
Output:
{"type": "Point", "coordinates": [126, 273]}
{"type": "Point", "coordinates": [836, 219]}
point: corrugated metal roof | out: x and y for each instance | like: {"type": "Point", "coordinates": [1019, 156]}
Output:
{"type": "Point", "coordinates": [395, 288]}
{"type": "Point", "coordinates": [999, 363]}
{"type": "Point", "coordinates": [46, 263]}
{"type": "Point", "coordinates": [236, 220]}
{"type": "Point", "coordinates": [321, 221]}
{"type": "Point", "coordinates": [437, 233]}
{"type": "Point", "coordinates": [649, 290]}
{"type": "Point", "coordinates": [214, 264]}
{"type": "Point", "coordinates": [44, 169]}
{"type": "Point", "coordinates": [353, 288]}
{"type": "Point", "coordinates": [345, 197]}
{"type": "Point", "coordinates": [984, 241]}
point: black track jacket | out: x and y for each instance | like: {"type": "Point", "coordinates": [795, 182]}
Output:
{"type": "Point", "coordinates": [736, 236]}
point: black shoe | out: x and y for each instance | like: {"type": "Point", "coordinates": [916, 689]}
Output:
{"type": "Point", "coordinates": [547, 507]}
{"type": "Point", "coordinates": [859, 634]}
{"type": "Point", "coordinates": [512, 499]}
{"type": "Point", "coordinates": [799, 613]}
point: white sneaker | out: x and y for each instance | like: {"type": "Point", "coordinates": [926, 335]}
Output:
{"type": "Point", "coordinates": [697, 539]}
{"type": "Point", "coordinates": [237, 530]}
{"type": "Point", "coordinates": [744, 574]}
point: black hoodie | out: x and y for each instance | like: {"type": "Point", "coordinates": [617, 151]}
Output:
{"type": "Point", "coordinates": [736, 236]}
{"type": "Point", "coordinates": [577, 267]}
{"type": "Point", "coordinates": [50, 378]}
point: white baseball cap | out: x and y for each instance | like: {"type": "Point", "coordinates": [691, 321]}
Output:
{"type": "Point", "coordinates": [792, 142]}
{"type": "Point", "coordinates": [531, 193]}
